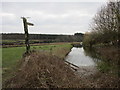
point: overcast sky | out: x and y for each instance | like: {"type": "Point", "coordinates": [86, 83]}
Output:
{"type": "Point", "coordinates": [49, 17]}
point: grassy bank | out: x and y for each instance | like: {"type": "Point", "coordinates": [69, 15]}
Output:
{"type": "Point", "coordinates": [110, 59]}
{"type": "Point", "coordinates": [107, 64]}
{"type": "Point", "coordinates": [12, 56]}
{"type": "Point", "coordinates": [45, 70]}
{"type": "Point", "coordinates": [109, 67]}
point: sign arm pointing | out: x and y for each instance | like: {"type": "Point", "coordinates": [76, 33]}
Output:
{"type": "Point", "coordinates": [31, 24]}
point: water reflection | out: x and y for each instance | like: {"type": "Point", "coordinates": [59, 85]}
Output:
{"type": "Point", "coordinates": [79, 57]}
{"type": "Point", "coordinates": [92, 53]}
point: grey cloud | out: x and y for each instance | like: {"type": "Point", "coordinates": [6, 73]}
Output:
{"type": "Point", "coordinates": [53, 17]}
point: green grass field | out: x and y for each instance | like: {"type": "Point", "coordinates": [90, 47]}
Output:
{"type": "Point", "coordinates": [12, 55]}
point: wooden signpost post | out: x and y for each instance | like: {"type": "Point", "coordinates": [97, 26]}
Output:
{"type": "Point", "coordinates": [25, 23]}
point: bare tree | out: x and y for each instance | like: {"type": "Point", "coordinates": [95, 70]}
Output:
{"type": "Point", "coordinates": [106, 24]}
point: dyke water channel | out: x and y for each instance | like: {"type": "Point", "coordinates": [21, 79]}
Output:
{"type": "Point", "coordinates": [86, 59]}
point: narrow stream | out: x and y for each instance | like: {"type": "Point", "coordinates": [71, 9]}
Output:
{"type": "Point", "coordinates": [87, 64]}
{"type": "Point", "coordinates": [78, 57]}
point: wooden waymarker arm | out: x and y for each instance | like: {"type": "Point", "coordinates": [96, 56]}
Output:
{"type": "Point", "coordinates": [30, 24]}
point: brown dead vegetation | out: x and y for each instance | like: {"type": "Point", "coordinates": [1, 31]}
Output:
{"type": "Point", "coordinates": [110, 79]}
{"type": "Point", "coordinates": [43, 70]}
{"type": "Point", "coordinates": [101, 80]}
{"type": "Point", "coordinates": [110, 53]}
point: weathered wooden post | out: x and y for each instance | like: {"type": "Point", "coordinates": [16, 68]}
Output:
{"type": "Point", "coordinates": [25, 23]}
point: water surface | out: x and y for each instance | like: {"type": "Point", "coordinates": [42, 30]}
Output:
{"type": "Point", "coordinates": [78, 57]}
{"type": "Point", "coordinates": [85, 59]}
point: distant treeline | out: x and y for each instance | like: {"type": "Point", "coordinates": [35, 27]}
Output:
{"type": "Point", "coordinates": [47, 37]}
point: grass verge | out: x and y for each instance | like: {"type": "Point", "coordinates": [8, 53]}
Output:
{"type": "Point", "coordinates": [12, 56]}
{"type": "Point", "coordinates": [44, 70]}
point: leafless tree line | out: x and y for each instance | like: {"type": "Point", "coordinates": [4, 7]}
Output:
{"type": "Point", "coordinates": [106, 25]}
